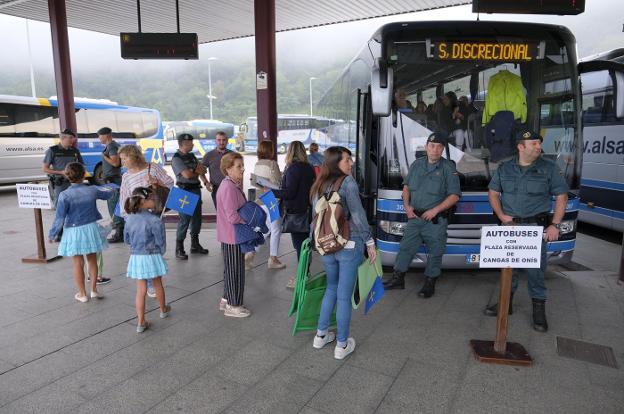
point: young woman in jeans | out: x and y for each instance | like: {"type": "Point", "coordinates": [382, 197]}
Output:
{"type": "Point", "coordinates": [342, 266]}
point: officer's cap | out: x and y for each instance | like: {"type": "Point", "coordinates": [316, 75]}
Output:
{"type": "Point", "coordinates": [438, 137]}
{"type": "Point", "coordinates": [184, 137]}
{"type": "Point", "coordinates": [104, 131]}
{"type": "Point", "coordinates": [527, 135]}
{"type": "Point", "coordinates": [68, 131]}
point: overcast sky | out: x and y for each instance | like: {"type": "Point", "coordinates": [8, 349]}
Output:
{"type": "Point", "coordinates": [596, 30]}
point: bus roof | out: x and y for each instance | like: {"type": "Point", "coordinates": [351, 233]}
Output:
{"type": "Point", "coordinates": [81, 103]}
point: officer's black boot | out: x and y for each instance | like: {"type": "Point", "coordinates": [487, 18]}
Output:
{"type": "Point", "coordinates": [117, 236]}
{"type": "Point", "coordinates": [180, 253]}
{"type": "Point", "coordinates": [492, 310]}
{"type": "Point", "coordinates": [539, 315]}
{"type": "Point", "coordinates": [428, 288]}
{"type": "Point", "coordinates": [196, 247]}
{"type": "Point", "coordinates": [396, 282]}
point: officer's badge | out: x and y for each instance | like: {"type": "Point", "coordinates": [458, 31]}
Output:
{"type": "Point", "coordinates": [431, 138]}
{"type": "Point", "coordinates": [526, 135]}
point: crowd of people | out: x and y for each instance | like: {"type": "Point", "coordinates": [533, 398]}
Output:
{"type": "Point", "coordinates": [430, 189]}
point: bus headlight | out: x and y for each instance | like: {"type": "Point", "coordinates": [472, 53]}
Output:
{"type": "Point", "coordinates": [396, 228]}
{"type": "Point", "coordinates": [567, 226]}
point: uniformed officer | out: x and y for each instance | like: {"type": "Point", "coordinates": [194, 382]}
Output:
{"type": "Point", "coordinates": [520, 193]}
{"type": "Point", "coordinates": [430, 189]}
{"type": "Point", "coordinates": [56, 158]}
{"type": "Point", "coordinates": [111, 173]}
{"type": "Point", "coordinates": [188, 171]}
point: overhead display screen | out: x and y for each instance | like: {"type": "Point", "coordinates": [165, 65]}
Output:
{"type": "Point", "coordinates": [485, 51]}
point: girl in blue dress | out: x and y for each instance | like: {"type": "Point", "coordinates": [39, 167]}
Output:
{"type": "Point", "coordinates": [145, 233]}
{"type": "Point", "coordinates": [76, 217]}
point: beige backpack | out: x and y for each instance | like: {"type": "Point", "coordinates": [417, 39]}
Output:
{"type": "Point", "coordinates": [331, 228]}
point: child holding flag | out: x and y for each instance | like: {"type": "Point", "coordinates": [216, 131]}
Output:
{"type": "Point", "coordinates": [145, 233]}
{"type": "Point", "coordinates": [267, 176]}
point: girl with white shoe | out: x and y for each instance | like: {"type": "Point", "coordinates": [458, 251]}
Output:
{"type": "Point", "coordinates": [342, 266]}
{"type": "Point", "coordinates": [76, 217]}
{"type": "Point", "coordinates": [145, 233]}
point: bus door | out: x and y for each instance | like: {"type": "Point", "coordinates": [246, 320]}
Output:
{"type": "Point", "coordinates": [366, 154]}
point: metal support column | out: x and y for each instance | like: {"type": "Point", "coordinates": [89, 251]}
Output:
{"type": "Point", "coordinates": [62, 64]}
{"type": "Point", "coordinates": [266, 97]}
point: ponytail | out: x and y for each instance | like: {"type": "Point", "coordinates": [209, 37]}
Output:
{"type": "Point", "coordinates": [133, 203]}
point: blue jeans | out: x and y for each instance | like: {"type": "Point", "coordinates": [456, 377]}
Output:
{"type": "Point", "coordinates": [342, 270]}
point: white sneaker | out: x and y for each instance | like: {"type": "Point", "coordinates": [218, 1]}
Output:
{"type": "Point", "coordinates": [341, 353]}
{"type": "Point", "coordinates": [236, 311]}
{"type": "Point", "coordinates": [151, 292]}
{"type": "Point", "coordinates": [96, 295]}
{"type": "Point", "coordinates": [222, 304]}
{"type": "Point", "coordinates": [321, 342]}
{"type": "Point", "coordinates": [83, 299]}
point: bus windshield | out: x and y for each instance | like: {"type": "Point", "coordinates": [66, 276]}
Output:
{"type": "Point", "coordinates": [482, 93]}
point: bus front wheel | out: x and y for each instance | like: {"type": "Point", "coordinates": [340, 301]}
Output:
{"type": "Point", "coordinates": [281, 149]}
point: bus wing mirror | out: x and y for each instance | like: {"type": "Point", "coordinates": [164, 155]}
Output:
{"type": "Point", "coordinates": [619, 90]}
{"type": "Point", "coordinates": [242, 128]}
{"type": "Point", "coordinates": [382, 78]}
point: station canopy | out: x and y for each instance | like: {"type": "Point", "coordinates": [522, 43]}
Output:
{"type": "Point", "coordinates": [215, 20]}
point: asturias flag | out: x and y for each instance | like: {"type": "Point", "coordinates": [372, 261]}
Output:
{"type": "Point", "coordinates": [270, 201]}
{"type": "Point", "coordinates": [376, 292]}
{"type": "Point", "coordinates": [182, 201]}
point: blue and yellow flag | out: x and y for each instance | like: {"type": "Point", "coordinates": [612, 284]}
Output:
{"type": "Point", "coordinates": [270, 201]}
{"type": "Point", "coordinates": [182, 201]}
{"type": "Point", "coordinates": [376, 292]}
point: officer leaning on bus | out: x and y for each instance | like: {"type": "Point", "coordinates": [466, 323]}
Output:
{"type": "Point", "coordinates": [56, 158]}
{"type": "Point", "coordinates": [520, 193]}
{"type": "Point", "coordinates": [188, 171]}
{"type": "Point", "coordinates": [111, 173]}
{"type": "Point", "coordinates": [430, 189]}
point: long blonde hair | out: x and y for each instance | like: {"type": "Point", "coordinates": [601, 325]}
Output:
{"type": "Point", "coordinates": [134, 155]}
{"type": "Point", "coordinates": [296, 153]}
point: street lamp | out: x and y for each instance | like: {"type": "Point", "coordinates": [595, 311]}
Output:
{"type": "Point", "coordinates": [311, 79]}
{"type": "Point", "coordinates": [210, 96]}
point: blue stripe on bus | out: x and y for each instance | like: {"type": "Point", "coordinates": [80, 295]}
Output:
{"type": "Point", "coordinates": [472, 204]}
{"type": "Point", "coordinates": [393, 247]}
{"type": "Point", "coordinates": [603, 211]}
{"type": "Point", "coordinates": [602, 184]}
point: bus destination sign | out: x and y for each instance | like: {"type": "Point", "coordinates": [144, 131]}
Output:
{"type": "Point", "coordinates": [485, 51]}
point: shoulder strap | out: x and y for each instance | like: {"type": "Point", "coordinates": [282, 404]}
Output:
{"type": "Point", "coordinates": [338, 183]}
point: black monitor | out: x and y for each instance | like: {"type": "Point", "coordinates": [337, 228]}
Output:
{"type": "Point", "coordinates": [159, 45]}
{"type": "Point", "coordinates": [559, 7]}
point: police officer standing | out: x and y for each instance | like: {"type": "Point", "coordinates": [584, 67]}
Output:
{"type": "Point", "coordinates": [56, 158]}
{"type": "Point", "coordinates": [520, 193]}
{"type": "Point", "coordinates": [111, 173]}
{"type": "Point", "coordinates": [212, 161]}
{"type": "Point", "coordinates": [188, 171]}
{"type": "Point", "coordinates": [430, 189]}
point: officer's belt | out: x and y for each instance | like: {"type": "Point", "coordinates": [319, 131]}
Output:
{"type": "Point", "coordinates": [434, 220]}
{"type": "Point", "coordinates": [539, 219]}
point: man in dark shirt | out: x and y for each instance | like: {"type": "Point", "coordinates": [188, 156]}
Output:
{"type": "Point", "coordinates": [212, 161]}
{"type": "Point", "coordinates": [111, 173]}
{"type": "Point", "coordinates": [188, 171]}
{"type": "Point", "coordinates": [56, 159]}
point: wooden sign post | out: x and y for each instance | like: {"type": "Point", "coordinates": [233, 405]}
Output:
{"type": "Point", "coordinates": [36, 196]}
{"type": "Point", "coordinates": [507, 247]}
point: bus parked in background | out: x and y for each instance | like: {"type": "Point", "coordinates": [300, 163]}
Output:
{"type": "Point", "coordinates": [290, 128]}
{"type": "Point", "coordinates": [204, 132]}
{"type": "Point", "coordinates": [29, 126]}
{"type": "Point", "coordinates": [602, 182]}
{"type": "Point", "coordinates": [427, 60]}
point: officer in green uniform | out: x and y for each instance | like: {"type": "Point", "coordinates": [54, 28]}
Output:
{"type": "Point", "coordinates": [188, 171]}
{"type": "Point", "coordinates": [430, 189]}
{"type": "Point", "coordinates": [111, 173]}
{"type": "Point", "coordinates": [520, 193]}
{"type": "Point", "coordinates": [56, 159]}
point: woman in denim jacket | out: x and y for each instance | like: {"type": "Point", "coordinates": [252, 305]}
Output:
{"type": "Point", "coordinates": [145, 233]}
{"type": "Point", "coordinates": [77, 216]}
{"type": "Point", "coordinates": [342, 267]}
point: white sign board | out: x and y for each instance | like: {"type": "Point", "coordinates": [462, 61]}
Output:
{"type": "Point", "coordinates": [33, 196]}
{"type": "Point", "coordinates": [262, 80]}
{"type": "Point", "coordinates": [511, 246]}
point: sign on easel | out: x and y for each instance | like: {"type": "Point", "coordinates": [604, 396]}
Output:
{"type": "Point", "coordinates": [33, 196]}
{"type": "Point", "coordinates": [507, 248]}
{"type": "Point", "coordinates": [36, 196]}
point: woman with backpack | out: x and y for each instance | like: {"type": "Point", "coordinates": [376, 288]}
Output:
{"type": "Point", "coordinates": [341, 266]}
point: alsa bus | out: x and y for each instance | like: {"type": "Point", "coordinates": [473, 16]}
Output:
{"type": "Point", "coordinates": [290, 128]}
{"type": "Point", "coordinates": [602, 182]}
{"type": "Point", "coordinates": [29, 126]}
{"type": "Point", "coordinates": [426, 60]}
{"type": "Point", "coordinates": [203, 132]}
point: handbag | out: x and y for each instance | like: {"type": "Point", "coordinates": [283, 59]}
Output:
{"type": "Point", "coordinates": [160, 191]}
{"type": "Point", "coordinates": [308, 294]}
{"type": "Point", "coordinates": [296, 222]}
